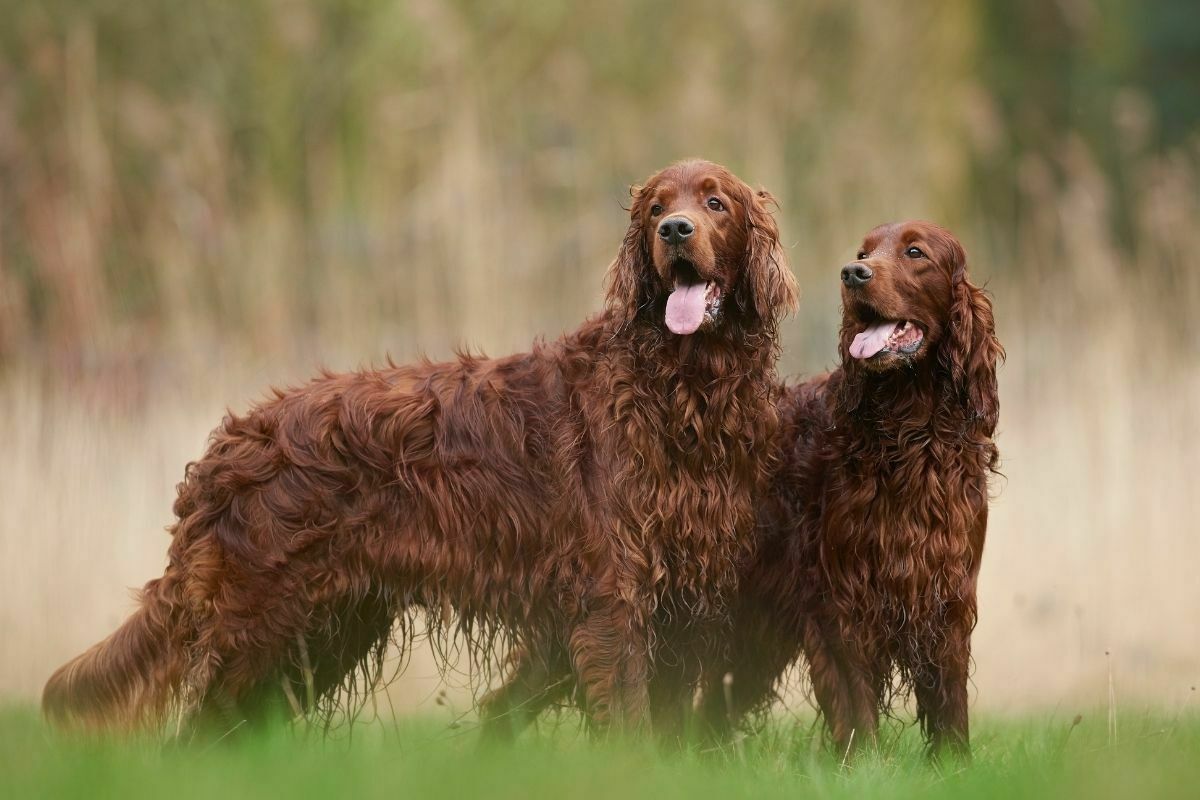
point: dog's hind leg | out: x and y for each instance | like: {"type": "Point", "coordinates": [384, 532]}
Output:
{"type": "Point", "coordinates": [539, 678]}
{"type": "Point", "coordinates": [293, 664]}
{"type": "Point", "coordinates": [332, 668]}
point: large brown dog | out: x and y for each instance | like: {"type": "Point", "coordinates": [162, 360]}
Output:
{"type": "Point", "coordinates": [567, 495]}
{"type": "Point", "coordinates": [873, 528]}
{"type": "Point", "coordinates": [873, 532]}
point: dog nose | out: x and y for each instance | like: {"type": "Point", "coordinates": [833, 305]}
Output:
{"type": "Point", "coordinates": [855, 275]}
{"type": "Point", "coordinates": [674, 230]}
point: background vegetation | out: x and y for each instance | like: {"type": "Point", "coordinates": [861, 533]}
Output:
{"type": "Point", "coordinates": [199, 200]}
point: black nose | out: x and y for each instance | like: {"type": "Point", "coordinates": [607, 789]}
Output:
{"type": "Point", "coordinates": [673, 230]}
{"type": "Point", "coordinates": [855, 275]}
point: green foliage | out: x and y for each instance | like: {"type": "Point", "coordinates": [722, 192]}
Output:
{"type": "Point", "coordinates": [287, 174]}
{"type": "Point", "coordinates": [1043, 757]}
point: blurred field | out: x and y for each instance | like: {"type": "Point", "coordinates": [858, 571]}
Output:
{"type": "Point", "coordinates": [194, 206]}
{"type": "Point", "coordinates": [1044, 757]}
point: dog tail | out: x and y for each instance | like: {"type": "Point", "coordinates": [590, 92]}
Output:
{"type": "Point", "coordinates": [126, 681]}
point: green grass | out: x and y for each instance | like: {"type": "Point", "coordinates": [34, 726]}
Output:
{"type": "Point", "coordinates": [1154, 756]}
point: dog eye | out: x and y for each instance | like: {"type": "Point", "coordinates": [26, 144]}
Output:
{"type": "Point", "coordinates": [914, 252]}
{"type": "Point", "coordinates": [715, 204]}
{"type": "Point", "coordinates": [655, 210]}
{"type": "Point", "coordinates": [861, 255]}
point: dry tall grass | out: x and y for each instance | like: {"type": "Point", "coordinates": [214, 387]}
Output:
{"type": "Point", "coordinates": [188, 214]}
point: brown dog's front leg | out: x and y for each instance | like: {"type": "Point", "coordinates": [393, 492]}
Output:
{"type": "Point", "coordinates": [942, 693]}
{"type": "Point", "coordinates": [942, 696]}
{"type": "Point", "coordinates": [846, 683]}
{"type": "Point", "coordinates": [610, 657]}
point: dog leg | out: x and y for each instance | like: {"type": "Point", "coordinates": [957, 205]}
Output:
{"type": "Point", "coordinates": [847, 690]}
{"type": "Point", "coordinates": [670, 693]}
{"type": "Point", "coordinates": [758, 656]}
{"type": "Point", "coordinates": [610, 657]}
{"type": "Point", "coordinates": [539, 679]}
{"type": "Point", "coordinates": [942, 696]}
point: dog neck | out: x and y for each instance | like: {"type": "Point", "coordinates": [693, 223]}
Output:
{"type": "Point", "coordinates": [918, 404]}
{"type": "Point", "coordinates": [733, 348]}
{"type": "Point", "coordinates": [716, 389]}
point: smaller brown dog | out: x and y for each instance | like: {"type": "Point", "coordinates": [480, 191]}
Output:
{"type": "Point", "coordinates": [874, 529]}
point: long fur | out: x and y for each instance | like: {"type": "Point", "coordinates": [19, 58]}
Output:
{"type": "Point", "coordinates": [563, 496]}
{"type": "Point", "coordinates": [872, 533]}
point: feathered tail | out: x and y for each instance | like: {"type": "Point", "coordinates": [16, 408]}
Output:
{"type": "Point", "coordinates": [126, 681]}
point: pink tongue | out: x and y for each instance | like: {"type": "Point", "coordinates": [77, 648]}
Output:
{"type": "Point", "coordinates": [872, 340]}
{"type": "Point", "coordinates": [685, 307]}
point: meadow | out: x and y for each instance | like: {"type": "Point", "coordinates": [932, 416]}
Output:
{"type": "Point", "coordinates": [197, 204]}
{"type": "Point", "coordinates": [1045, 756]}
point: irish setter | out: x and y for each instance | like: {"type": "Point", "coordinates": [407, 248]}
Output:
{"type": "Point", "coordinates": [575, 495]}
{"type": "Point", "coordinates": [874, 528]}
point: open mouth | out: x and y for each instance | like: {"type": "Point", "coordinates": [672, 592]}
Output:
{"type": "Point", "coordinates": [693, 301]}
{"type": "Point", "coordinates": [901, 337]}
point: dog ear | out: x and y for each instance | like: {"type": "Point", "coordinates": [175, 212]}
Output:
{"type": "Point", "coordinates": [768, 279]}
{"type": "Point", "coordinates": [972, 351]}
{"type": "Point", "coordinates": [630, 281]}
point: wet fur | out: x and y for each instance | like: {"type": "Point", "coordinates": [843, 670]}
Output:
{"type": "Point", "coordinates": [566, 496]}
{"type": "Point", "coordinates": [873, 532]}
